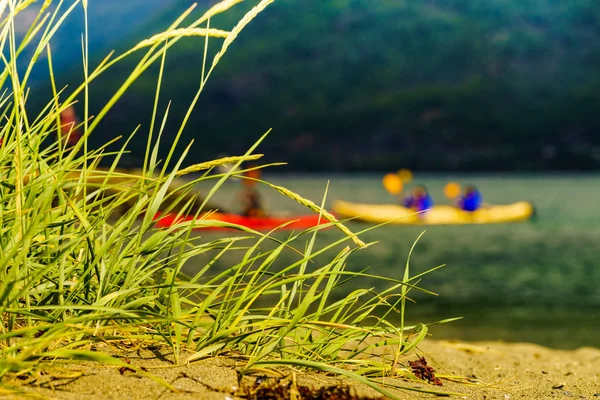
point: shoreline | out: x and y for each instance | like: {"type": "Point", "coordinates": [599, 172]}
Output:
{"type": "Point", "coordinates": [493, 370]}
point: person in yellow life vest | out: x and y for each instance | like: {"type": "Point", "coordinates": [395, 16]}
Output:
{"type": "Point", "coordinates": [248, 199]}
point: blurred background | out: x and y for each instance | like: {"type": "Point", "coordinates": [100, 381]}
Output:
{"type": "Point", "coordinates": [500, 93]}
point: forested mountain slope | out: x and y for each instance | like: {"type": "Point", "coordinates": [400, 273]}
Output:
{"type": "Point", "coordinates": [380, 84]}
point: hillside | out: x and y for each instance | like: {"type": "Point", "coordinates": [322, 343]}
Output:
{"type": "Point", "coordinates": [378, 84]}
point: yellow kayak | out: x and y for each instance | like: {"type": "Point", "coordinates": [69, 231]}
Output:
{"type": "Point", "coordinates": [438, 215]}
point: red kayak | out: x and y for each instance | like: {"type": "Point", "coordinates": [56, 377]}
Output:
{"type": "Point", "coordinates": [255, 223]}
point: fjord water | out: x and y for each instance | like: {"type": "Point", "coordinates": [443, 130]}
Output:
{"type": "Point", "coordinates": [536, 281]}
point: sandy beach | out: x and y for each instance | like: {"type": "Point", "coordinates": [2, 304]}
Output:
{"type": "Point", "coordinates": [494, 370]}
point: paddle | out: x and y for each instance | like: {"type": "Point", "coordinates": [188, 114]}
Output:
{"type": "Point", "coordinates": [452, 190]}
{"type": "Point", "coordinates": [405, 175]}
{"type": "Point", "coordinates": [392, 183]}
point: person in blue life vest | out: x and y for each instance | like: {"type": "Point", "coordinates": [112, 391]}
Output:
{"type": "Point", "coordinates": [471, 200]}
{"type": "Point", "coordinates": [419, 200]}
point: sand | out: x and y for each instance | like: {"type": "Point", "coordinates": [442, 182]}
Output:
{"type": "Point", "coordinates": [495, 371]}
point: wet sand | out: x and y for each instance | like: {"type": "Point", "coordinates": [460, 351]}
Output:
{"type": "Point", "coordinates": [493, 370]}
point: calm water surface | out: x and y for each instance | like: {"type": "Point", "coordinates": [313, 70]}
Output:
{"type": "Point", "coordinates": [535, 281]}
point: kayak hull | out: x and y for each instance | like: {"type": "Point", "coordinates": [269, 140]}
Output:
{"type": "Point", "coordinates": [437, 215]}
{"type": "Point", "coordinates": [255, 223]}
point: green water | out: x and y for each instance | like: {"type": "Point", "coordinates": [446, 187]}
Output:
{"type": "Point", "coordinates": [535, 281]}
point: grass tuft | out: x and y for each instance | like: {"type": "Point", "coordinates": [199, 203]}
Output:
{"type": "Point", "coordinates": [81, 261]}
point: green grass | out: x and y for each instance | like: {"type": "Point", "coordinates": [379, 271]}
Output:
{"type": "Point", "coordinates": [81, 261]}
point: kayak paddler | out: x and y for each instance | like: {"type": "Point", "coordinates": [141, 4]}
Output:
{"type": "Point", "coordinates": [419, 200]}
{"type": "Point", "coordinates": [69, 133]}
{"type": "Point", "coordinates": [471, 199]}
{"type": "Point", "coordinates": [249, 199]}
